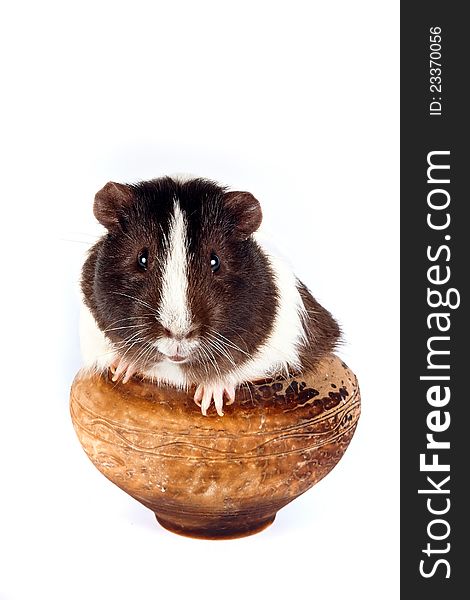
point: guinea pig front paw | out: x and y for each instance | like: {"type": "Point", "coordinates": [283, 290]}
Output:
{"type": "Point", "coordinates": [206, 393]}
{"type": "Point", "coordinates": [122, 368]}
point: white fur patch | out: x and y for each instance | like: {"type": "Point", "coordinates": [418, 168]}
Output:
{"type": "Point", "coordinates": [167, 372]}
{"type": "Point", "coordinates": [97, 351]}
{"type": "Point", "coordinates": [173, 310]}
{"type": "Point", "coordinates": [281, 349]}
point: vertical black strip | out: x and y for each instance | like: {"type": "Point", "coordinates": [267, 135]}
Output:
{"type": "Point", "coordinates": [435, 253]}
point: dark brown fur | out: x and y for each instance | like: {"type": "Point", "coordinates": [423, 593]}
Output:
{"type": "Point", "coordinates": [322, 331]}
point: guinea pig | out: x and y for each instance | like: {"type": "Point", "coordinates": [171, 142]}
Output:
{"type": "Point", "coordinates": [182, 291]}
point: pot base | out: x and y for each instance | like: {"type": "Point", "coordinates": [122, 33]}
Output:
{"type": "Point", "coordinates": [216, 532]}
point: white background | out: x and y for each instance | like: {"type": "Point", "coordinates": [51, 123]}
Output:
{"type": "Point", "coordinates": [296, 102]}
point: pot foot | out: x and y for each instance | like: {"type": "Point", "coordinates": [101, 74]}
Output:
{"type": "Point", "coordinates": [212, 531]}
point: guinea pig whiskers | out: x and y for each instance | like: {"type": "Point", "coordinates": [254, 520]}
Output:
{"type": "Point", "coordinates": [128, 319]}
{"type": "Point", "coordinates": [122, 327]}
{"type": "Point", "coordinates": [284, 372]}
{"type": "Point", "coordinates": [236, 332]}
{"type": "Point", "coordinates": [113, 351]}
{"type": "Point", "coordinates": [123, 356]}
{"type": "Point", "coordinates": [211, 363]}
{"type": "Point", "coordinates": [136, 334]}
{"type": "Point", "coordinates": [141, 356]}
{"type": "Point", "coordinates": [131, 318]}
{"type": "Point", "coordinates": [133, 340]}
{"type": "Point", "coordinates": [203, 362]}
{"type": "Point", "coordinates": [206, 351]}
{"type": "Point", "coordinates": [116, 346]}
{"type": "Point", "coordinates": [151, 352]}
{"type": "Point", "coordinates": [226, 342]}
{"type": "Point", "coordinates": [145, 353]}
{"type": "Point", "coordinates": [75, 241]}
{"type": "Point", "coordinates": [220, 349]}
{"type": "Point", "coordinates": [146, 304]}
{"type": "Point", "coordinates": [78, 234]}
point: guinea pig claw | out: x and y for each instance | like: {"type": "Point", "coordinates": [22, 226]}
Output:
{"type": "Point", "coordinates": [198, 395]}
{"type": "Point", "coordinates": [206, 400]}
{"type": "Point", "coordinates": [219, 401]}
{"type": "Point", "coordinates": [123, 368]}
{"type": "Point", "coordinates": [117, 372]}
{"type": "Point", "coordinates": [129, 372]}
{"type": "Point", "coordinates": [114, 367]}
{"type": "Point", "coordinates": [230, 393]}
{"type": "Point", "coordinates": [204, 395]}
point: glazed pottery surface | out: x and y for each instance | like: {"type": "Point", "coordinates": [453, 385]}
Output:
{"type": "Point", "coordinates": [214, 476]}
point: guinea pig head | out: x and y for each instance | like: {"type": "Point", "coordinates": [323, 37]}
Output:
{"type": "Point", "coordinates": [178, 276]}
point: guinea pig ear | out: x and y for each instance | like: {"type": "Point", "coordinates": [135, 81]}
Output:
{"type": "Point", "coordinates": [246, 210]}
{"type": "Point", "coordinates": [109, 201]}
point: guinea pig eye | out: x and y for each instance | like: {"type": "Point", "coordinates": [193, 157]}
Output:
{"type": "Point", "coordinates": [143, 259]}
{"type": "Point", "coordinates": [215, 262]}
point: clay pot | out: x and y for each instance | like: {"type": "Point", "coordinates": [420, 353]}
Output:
{"type": "Point", "coordinates": [217, 477]}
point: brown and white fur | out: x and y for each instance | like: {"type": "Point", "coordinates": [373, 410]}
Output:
{"type": "Point", "coordinates": [182, 291]}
